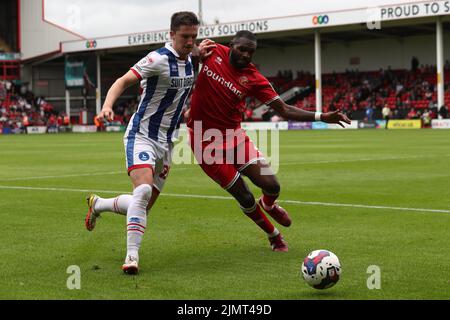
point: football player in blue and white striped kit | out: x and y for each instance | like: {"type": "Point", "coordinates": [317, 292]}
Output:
{"type": "Point", "coordinates": [166, 77]}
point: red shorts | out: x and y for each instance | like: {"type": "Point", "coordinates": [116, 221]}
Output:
{"type": "Point", "coordinates": [223, 157]}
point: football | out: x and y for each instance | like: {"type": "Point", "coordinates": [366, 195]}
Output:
{"type": "Point", "coordinates": [321, 269]}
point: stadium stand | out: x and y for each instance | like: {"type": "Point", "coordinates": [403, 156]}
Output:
{"type": "Point", "coordinates": [362, 95]}
{"type": "Point", "coordinates": [411, 93]}
{"type": "Point", "coordinates": [19, 108]}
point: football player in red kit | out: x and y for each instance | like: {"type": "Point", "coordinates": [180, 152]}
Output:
{"type": "Point", "coordinates": [221, 146]}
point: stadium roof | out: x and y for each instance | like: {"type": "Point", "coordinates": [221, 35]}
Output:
{"type": "Point", "coordinates": [359, 32]}
{"type": "Point", "coordinates": [352, 24]}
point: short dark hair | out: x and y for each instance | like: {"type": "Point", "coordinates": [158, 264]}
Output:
{"type": "Point", "coordinates": [183, 18]}
{"type": "Point", "coordinates": [245, 34]}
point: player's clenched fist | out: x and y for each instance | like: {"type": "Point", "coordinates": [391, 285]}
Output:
{"type": "Point", "coordinates": [106, 115]}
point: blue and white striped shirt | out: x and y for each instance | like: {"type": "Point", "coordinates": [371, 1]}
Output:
{"type": "Point", "coordinates": [166, 81]}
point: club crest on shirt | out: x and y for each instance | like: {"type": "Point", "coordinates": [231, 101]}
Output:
{"type": "Point", "coordinates": [243, 80]}
{"type": "Point", "coordinates": [144, 156]}
{"type": "Point", "coordinates": [145, 61]}
{"type": "Point", "coordinates": [173, 68]}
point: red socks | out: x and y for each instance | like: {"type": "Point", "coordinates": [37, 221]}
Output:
{"type": "Point", "coordinates": [259, 218]}
{"type": "Point", "coordinates": [269, 200]}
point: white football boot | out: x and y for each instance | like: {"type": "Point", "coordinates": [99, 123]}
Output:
{"type": "Point", "coordinates": [91, 216]}
{"type": "Point", "coordinates": [131, 265]}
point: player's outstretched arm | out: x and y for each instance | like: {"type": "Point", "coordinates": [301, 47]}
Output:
{"type": "Point", "coordinates": [116, 90]}
{"type": "Point", "coordinates": [292, 113]}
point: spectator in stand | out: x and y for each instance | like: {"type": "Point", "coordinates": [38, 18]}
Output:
{"type": "Point", "coordinates": [276, 118]}
{"type": "Point", "coordinates": [405, 86]}
{"type": "Point", "coordinates": [433, 113]}
{"type": "Point", "coordinates": [66, 120]}
{"type": "Point", "coordinates": [412, 114]}
{"type": "Point", "coordinates": [399, 88]}
{"type": "Point", "coordinates": [386, 112]}
{"type": "Point", "coordinates": [306, 103]}
{"type": "Point", "coordinates": [25, 120]}
{"type": "Point", "coordinates": [443, 112]}
{"type": "Point", "coordinates": [52, 120]}
{"type": "Point", "coordinates": [129, 110]}
{"type": "Point", "coordinates": [2, 91]}
{"type": "Point", "coordinates": [290, 75]}
{"type": "Point", "coordinates": [8, 86]}
{"type": "Point", "coordinates": [248, 114]}
{"type": "Point", "coordinates": [332, 106]}
{"type": "Point", "coordinates": [59, 121]}
{"type": "Point", "coordinates": [98, 124]}
{"type": "Point", "coordinates": [369, 112]}
{"type": "Point", "coordinates": [18, 108]}
{"type": "Point", "coordinates": [268, 114]}
{"type": "Point", "coordinates": [250, 105]}
{"type": "Point", "coordinates": [395, 114]}
{"type": "Point", "coordinates": [426, 119]}
{"type": "Point", "coordinates": [39, 121]}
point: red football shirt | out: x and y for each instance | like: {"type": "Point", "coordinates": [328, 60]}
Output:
{"type": "Point", "coordinates": [218, 99]}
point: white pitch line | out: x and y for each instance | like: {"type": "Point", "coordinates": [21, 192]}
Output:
{"type": "Point", "coordinates": [65, 176]}
{"type": "Point", "coordinates": [362, 160]}
{"type": "Point", "coordinates": [74, 175]}
{"type": "Point", "coordinates": [364, 206]}
{"type": "Point", "coordinates": [198, 196]}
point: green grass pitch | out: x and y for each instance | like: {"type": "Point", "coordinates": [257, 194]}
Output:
{"type": "Point", "coordinates": [342, 189]}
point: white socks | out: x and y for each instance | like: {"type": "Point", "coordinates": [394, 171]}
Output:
{"type": "Point", "coordinates": [137, 218]}
{"type": "Point", "coordinates": [118, 204]}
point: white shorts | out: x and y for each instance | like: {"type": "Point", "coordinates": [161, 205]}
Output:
{"type": "Point", "coordinates": [143, 152]}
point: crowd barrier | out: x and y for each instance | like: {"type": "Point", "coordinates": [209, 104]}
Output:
{"type": "Point", "coordinates": [440, 124]}
{"type": "Point", "coordinates": [281, 125]}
